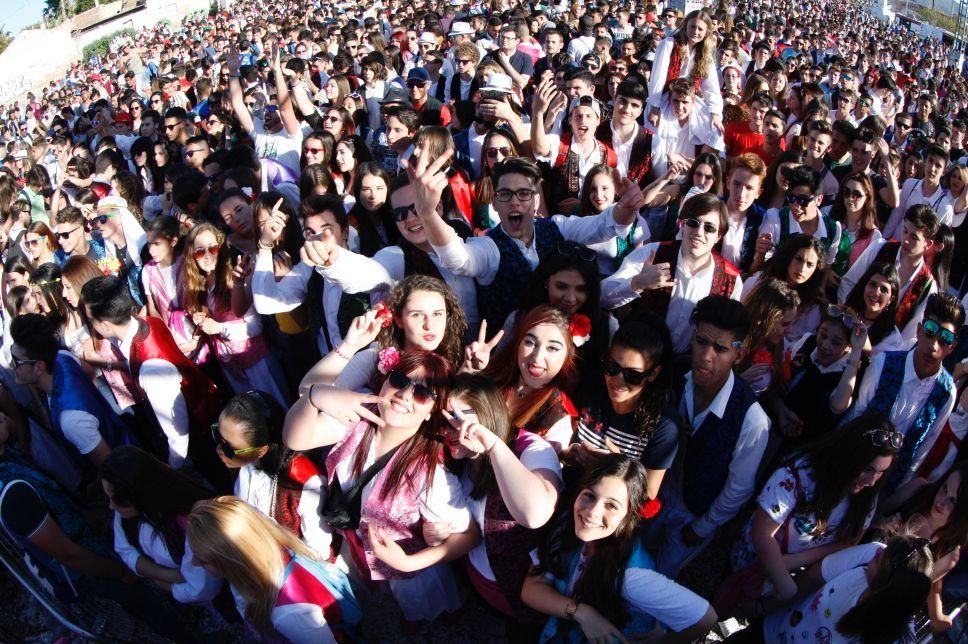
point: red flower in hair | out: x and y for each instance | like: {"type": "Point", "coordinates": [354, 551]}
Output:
{"type": "Point", "coordinates": [650, 508]}
{"type": "Point", "coordinates": [384, 314]}
{"type": "Point", "coordinates": [580, 328]}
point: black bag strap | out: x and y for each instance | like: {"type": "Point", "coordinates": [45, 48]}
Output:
{"type": "Point", "coordinates": [354, 495]}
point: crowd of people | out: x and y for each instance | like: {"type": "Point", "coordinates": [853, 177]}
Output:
{"type": "Point", "coordinates": [619, 322]}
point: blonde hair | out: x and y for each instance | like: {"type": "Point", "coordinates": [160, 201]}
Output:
{"type": "Point", "coordinates": [246, 548]}
{"type": "Point", "coordinates": [705, 50]}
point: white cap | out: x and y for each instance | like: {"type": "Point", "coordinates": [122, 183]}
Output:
{"type": "Point", "coordinates": [427, 36]}
{"type": "Point", "coordinates": [499, 83]}
{"type": "Point", "coordinates": [460, 29]}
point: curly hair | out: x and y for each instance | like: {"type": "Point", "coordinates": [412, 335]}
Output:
{"type": "Point", "coordinates": [451, 346]}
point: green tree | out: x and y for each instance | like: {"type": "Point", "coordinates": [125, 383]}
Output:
{"type": "Point", "coordinates": [5, 38]}
{"type": "Point", "coordinates": [56, 10]}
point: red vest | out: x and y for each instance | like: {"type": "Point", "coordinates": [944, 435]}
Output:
{"type": "Point", "coordinates": [154, 341]}
{"type": "Point", "coordinates": [657, 300]}
{"type": "Point", "coordinates": [919, 289]}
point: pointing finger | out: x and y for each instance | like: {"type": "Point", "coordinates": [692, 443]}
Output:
{"type": "Point", "coordinates": [497, 338]}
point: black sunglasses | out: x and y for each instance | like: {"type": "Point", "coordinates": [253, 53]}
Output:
{"type": "Point", "coordinates": [227, 450]}
{"type": "Point", "coordinates": [801, 200]}
{"type": "Point", "coordinates": [401, 213]}
{"type": "Point", "coordinates": [710, 229]}
{"type": "Point", "coordinates": [422, 394]}
{"type": "Point", "coordinates": [19, 362]}
{"type": "Point", "coordinates": [632, 377]}
{"type": "Point", "coordinates": [67, 235]}
{"type": "Point", "coordinates": [570, 249]}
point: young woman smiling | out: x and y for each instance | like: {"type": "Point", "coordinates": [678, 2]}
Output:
{"type": "Point", "coordinates": [856, 210]}
{"type": "Point", "coordinates": [592, 575]}
{"type": "Point", "coordinates": [628, 409]}
{"type": "Point", "coordinates": [400, 434]}
{"type": "Point", "coordinates": [534, 370]}
{"type": "Point", "coordinates": [876, 298]}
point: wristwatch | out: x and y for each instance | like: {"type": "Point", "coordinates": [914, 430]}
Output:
{"type": "Point", "coordinates": [570, 610]}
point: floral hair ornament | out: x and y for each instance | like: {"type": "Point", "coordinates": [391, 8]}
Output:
{"type": "Point", "coordinates": [387, 359]}
{"type": "Point", "coordinates": [383, 314]}
{"type": "Point", "coordinates": [580, 329]}
{"type": "Point", "coordinates": [247, 191]}
{"type": "Point", "coordinates": [650, 508]}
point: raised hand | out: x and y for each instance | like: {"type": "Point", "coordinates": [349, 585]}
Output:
{"type": "Point", "coordinates": [243, 268]}
{"type": "Point", "coordinates": [543, 96]}
{"type": "Point", "coordinates": [233, 60]}
{"type": "Point", "coordinates": [477, 354]}
{"type": "Point", "coordinates": [764, 243]}
{"type": "Point", "coordinates": [474, 437]}
{"type": "Point", "coordinates": [630, 203]}
{"type": "Point", "coordinates": [363, 330]}
{"type": "Point", "coordinates": [321, 250]}
{"type": "Point", "coordinates": [347, 407]}
{"type": "Point", "coordinates": [271, 229]}
{"type": "Point", "coordinates": [653, 276]}
{"type": "Point", "coordinates": [429, 180]}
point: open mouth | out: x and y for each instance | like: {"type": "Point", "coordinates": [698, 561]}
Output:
{"type": "Point", "coordinates": [535, 371]}
{"type": "Point", "coordinates": [515, 220]}
{"type": "Point", "coordinates": [399, 407]}
{"type": "Point", "coordinates": [588, 525]}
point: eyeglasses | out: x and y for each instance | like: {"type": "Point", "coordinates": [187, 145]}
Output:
{"type": "Point", "coordinates": [212, 250]}
{"type": "Point", "coordinates": [32, 243]}
{"type": "Point", "coordinates": [312, 150]}
{"type": "Point", "coordinates": [632, 377]}
{"type": "Point", "coordinates": [708, 228]}
{"type": "Point", "coordinates": [851, 321]}
{"type": "Point", "coordinates": [402, 213]}
{"type": "Point", "coordinates": [103, 219]}
{"type": "Point", "coordinates": [801, 200]}
{"type": "Point", "coordinates": [569, 249]}
{"type": "Point", "coordinates": [333, 119]}
{"type": "Point", "coordinates": [227, 450]}
{"type": "Point", "coordinates": [523, 195]}
{"type": "Point", "coordinates": [67, 235]}
{"type": "Point", "coordinates": [191, 153]}
{"type": "Point", "coordinates": [719, 348]}
{"type": "Point", "coordinates": [853, 194]}
{"type": "Point", "coordinates": [18, 362]}
{"type": "Point", "coordinates": [883, 437]}
{"type": "Point", "coordinates": [464, 61]}
{"type": "Point", "coordinates": [493, 152]}
{"type": "Point", "coordinates": [422, 394]}
{"type": "Point", "coordinates": [932, 329]}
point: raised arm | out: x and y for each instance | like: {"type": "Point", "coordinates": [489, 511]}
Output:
{"type": "Point", "coordinates": [543, 95]}
{"type": "Point", "coordinates": [283, 96]}
{"type": "Point", "coordinates": [233, 62]}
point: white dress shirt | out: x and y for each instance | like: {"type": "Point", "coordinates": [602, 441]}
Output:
{"type": "Point", "coordinates": [160, 382]}
{"type": "Point", "coordinates": [911, 398]}
{"type": "Point", "coordinates": [689, 288]}
{"type": "Point", "coordinates": [744, 461]}
{"type": "Point", "coordinates": [479, 257]}
{"type": "Point", "coordinates": [733, 240]}
{"type": "Point", "coordinates": [912, 194]}
{"type": "Point", "coordinates": [712, 96]}
{"type": "Point", "coordinates": [771, 224]}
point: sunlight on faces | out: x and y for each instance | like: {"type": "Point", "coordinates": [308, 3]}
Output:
{"type": "Point", "coordinates": [71, 297]}
{"type": "Point", "coordinates": [451, 432]}
{"type": "Point", "coordinates": [75, 232]}
{"type": "Point", "coordinates": [237, 215]}
{"type": "Point", "coordinates": [600, 509]}
{"type": "Point", "coordinates": [160, 248]}
{"type": "Point", "coordinates": [399, 409]}
{"type": "Point", "coordinates": [744, 188]}
{"type": "Point", "coordinates": [703, 177]}
{"type": "Point", "coordinates": [809, 211]}
{"type": "Point", "coordinates": [601, 192]}
{"type": "Point", "coordinates": [877, 295]}
{"type": "Point", "coordinates": [802, 266]}
{"type": "Point", "coordinates": [567, 290]}
{"type": "Point", "coordinates": [782, 327]}
{"type": "Point", "coordinates": [584, 121]}
{"type": "Point", "coordinates": [541, 355]}
{"type": "Point", "coordinates": [233, 433]}
{"type": "Point", "coordinates": [517, 217]}
{"type": "Point", "coordinates": [914, 241]}
{"type": "Point", "coordinates": [36, 245]}
{"type": "Point", "coordinates": [203, 242]}
{"type": "Point", "coordinates": [931, 351]}
{"type": "Point", "coordinates": [619, 390]}
{"type": "Point", "coordinates": [696, 241]}
{"type": "Point", "coordinates": [412, 227]}
{"type": "Point", "coordinates": [423, 320]}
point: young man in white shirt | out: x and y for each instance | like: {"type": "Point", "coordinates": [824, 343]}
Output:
{"type": "Point", "coordinates": [682, 129]}
{"type": "Point", "coordinates": [716, 472]}
{"type": "Point", "coordinates": [912, 388]}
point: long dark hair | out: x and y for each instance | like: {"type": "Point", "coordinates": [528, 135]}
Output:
{"type": "Point", "coordinates": [885, 323]}
{"type": "Point", "coordinates": [159, 493]}
{"type": "Point", "coordinates": [868, 218]}
{"type": "Point", "coordinates": [769, 184]}
{"type": "Point", "coordinates": [649, 335]}
{"type": "Point", "coordinates": [600, 585]}
{"type": "Point", "coordinates": [260, 418]}
{"type": "Point", "coordinates": [370, 241]}
{"type": "Point", "coordinates": [899, 587]}
{"type": "Point", "coordinates": [955, 531]}
{"type": "Point", "coordinates": [836, 459]}
{"type": "Point", "coordinates": [941, 262]}
{"type": "Point", "coordinates": [811, 291]}
{"type": "Point", "coordinates": [421, 452]}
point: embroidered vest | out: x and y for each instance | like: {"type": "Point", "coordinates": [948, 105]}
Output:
{"type": "Point", "coordinates": [500, 297]}
{"type": "Point", "coordinates": [154, 340]}
{"type": "Point", "coordinates": [564, 179]}
{"type": "Point", "coordinates": [886, 394]}
{"type": "Point", "coordinates": [72, 390]}
{"type": "Point", "coordinates": [920, 286]}
{"type": "Point", "coordinates": [305, 581]}
{"type": "Point", "coordinates": [508, 543]}
{"type": "Point", "coordinates": [397, 512]}
{"type": "Point", "coordinates": [675, 69]}
{"type": "Point", "coordinates": [708, 451]}
{"type": "Point", "coordinates": [657, 300]}
{"type": "Point", "coordinates": [289, 489]}
{"type": "Point", "coordinates": [829, 224]}
{"type": "Point", "coordinates": [562, 631]}
{"type": "Point", "coordinates": [640, 157]}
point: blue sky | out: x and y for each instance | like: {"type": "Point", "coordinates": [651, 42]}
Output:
{"type": "Point", "coordinates": [17, 14]}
